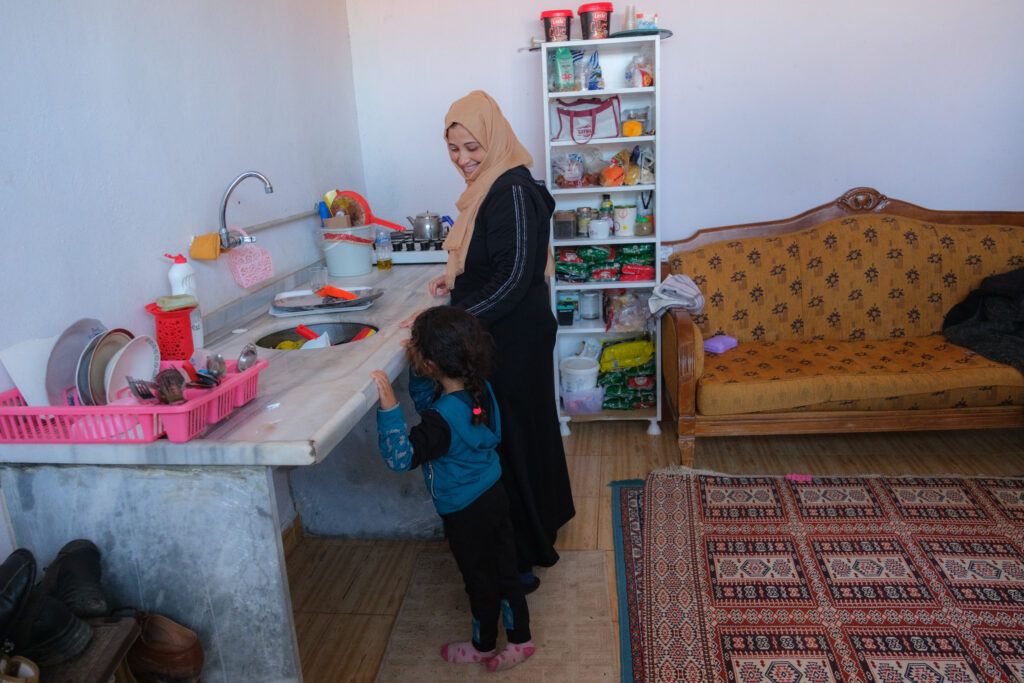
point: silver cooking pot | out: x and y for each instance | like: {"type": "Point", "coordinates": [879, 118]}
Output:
{"type": "Point", "coordinates": [429, 226]}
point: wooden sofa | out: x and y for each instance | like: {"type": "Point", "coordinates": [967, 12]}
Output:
{"type": "Point", "coordinates": [839, 313]}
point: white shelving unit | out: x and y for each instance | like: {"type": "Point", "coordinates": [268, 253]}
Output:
{"type": "Point", "coordinates": [615, 55]}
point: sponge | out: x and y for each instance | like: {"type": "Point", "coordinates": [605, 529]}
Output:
{"type": "Point", "coordinates": [205, 247]}
{"type": "Point", "coordinates": [176, 302]}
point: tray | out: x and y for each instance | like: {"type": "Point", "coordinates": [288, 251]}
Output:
{"type": "Point", "coordinates": [126, 420]}
{"type": "Point", "coordinates": [309, 302]}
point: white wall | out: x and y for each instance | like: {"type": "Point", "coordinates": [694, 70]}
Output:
{"type": "Point", "coordinates": [768, 109]}
{"type": "Point", "coordinates": [124, 122]}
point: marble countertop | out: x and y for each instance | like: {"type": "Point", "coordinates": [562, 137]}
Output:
{"type": "Point", "coordinates": [308, 400]}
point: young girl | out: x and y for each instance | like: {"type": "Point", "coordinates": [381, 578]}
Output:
{"type": "Point", "coordinates": [455, 443]}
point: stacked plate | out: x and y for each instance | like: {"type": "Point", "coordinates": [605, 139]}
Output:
{"type": "Point", "coordinates": [86, 365]}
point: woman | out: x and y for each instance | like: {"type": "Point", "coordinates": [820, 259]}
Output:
{"type": "Point", "coordinates": [498, 265]}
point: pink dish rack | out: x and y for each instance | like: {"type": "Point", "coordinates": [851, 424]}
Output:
{"type": "Point", "coordinates": [126, 420]}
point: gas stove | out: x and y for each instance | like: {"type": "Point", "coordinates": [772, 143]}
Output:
{"type": "Point", "coordinates": [406, 249]}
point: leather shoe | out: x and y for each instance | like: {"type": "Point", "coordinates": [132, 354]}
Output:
{"type": "Point", "coordinates": [165, 651]}
{"type": "Point", "coordinates": [47, 632]}
{"type": "Point", "coordinates": [74, 579]}
{"type": "Point", "coordinates": [17, 574]}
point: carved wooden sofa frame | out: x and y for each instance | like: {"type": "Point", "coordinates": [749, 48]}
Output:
{"type": "Point", "coordinates": [677, 346]}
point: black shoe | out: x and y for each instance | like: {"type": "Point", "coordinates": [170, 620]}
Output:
{"type": "Point", "coordinates": [17, 574]}
{"type": "Point", "coordinates": [48, 633]}
{"type": "Point", "coordinates": [74, 579]}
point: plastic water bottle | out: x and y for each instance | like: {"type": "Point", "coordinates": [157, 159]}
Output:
{"type": "Point", "coordinates": [383, 246]}
{"type": "Point", "coordinates": [183, 281]}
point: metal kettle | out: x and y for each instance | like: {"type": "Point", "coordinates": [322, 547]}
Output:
{"type": "Point", "coordinates": [429, 226]}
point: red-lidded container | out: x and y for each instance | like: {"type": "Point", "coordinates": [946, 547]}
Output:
{"type": "Point", "coordinates": [595, 18]}
{"type": "Point", "coordinates": [557, 25]}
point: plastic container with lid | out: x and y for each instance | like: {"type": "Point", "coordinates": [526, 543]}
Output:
{"type": "Point", "coordinates": [595, 18]}
{"type": "Point", "coordinates": [565, 225]}
{"type": "Point", "coordinates": [643, 226]}
{"type": "Point", "coordinates": [557, 24]}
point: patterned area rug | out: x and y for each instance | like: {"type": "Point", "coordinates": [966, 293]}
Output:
{"type": "Point", "coordinates": [833, 579]}
{"type": "Point", "coordinates": [570, 618]}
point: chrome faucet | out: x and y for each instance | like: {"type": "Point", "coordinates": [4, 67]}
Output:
{"type": "Point", "coordinates": [232, 239]}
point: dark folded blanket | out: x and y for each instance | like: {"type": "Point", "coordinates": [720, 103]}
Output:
{"type": "Point", "coordinates": [990, 321]}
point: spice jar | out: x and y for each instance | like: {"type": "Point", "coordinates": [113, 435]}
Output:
{"type": "Point", "coordinates": [565, 225]}
{"type": "Point", "coordinates": [583, 216]}
{"type": "Point", "coordinates": [643, 227]}
{"type": "Point", "coordinates": [590, 304]}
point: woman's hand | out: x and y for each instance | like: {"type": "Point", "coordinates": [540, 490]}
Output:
{"type": "Point", "coordinates": [438, 287]}
{"type": "Point", "coordinates": [387, 393]}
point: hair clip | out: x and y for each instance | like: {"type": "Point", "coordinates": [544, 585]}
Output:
{"type": "Point", "coordinates": [478, 410]}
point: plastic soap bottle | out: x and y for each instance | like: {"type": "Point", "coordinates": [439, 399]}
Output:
{"type": "Point", "coordinates": [183, 281]}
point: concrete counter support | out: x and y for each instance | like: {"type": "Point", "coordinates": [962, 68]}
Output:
{"type": "Point", "coordinates": [201, 545]}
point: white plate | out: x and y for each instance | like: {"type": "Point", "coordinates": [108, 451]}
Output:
{"type": "Point", "coordinates": [25, 362]}
{"type": "Point", "coordinates": [63, 362]}
{"type": "Point", "coordinates": [139, 358]}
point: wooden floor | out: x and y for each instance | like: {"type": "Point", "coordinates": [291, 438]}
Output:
{"type": "Point", "coordinates": [346, 593]}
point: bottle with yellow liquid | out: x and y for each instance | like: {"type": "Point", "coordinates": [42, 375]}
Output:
{"type": "Point", "coordinates": [383, 247]}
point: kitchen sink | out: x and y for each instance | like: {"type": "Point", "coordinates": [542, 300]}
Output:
{"type": "Point", "coordinates": [340, 333]}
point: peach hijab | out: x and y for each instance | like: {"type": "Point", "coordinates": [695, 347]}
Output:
{"type": "Point", "coordinates": [478, 113]}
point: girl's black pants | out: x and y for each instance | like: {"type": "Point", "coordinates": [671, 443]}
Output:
{"type": "Point", "coordinates": [483, 543]}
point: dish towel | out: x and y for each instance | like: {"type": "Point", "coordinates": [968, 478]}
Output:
{"type": "Point", "coordinates": [676, 291]}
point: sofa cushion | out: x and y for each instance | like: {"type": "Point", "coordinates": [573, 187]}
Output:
{"type": "Point", "coordinates": [873, 276]}
{"type": "Point", "coordinates": [887, 277]}
{"type": "Point", "coordinates": [968, 397]}
{"type": "Point", "coordinates": [766, 376]}
{"type": "Point", "coordinates": [751, 287]}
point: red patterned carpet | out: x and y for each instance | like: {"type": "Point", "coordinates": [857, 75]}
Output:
{"type": "Point", "coordinates": [834, 579]}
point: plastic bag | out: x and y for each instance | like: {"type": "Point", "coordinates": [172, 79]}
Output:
{"type": "Point", "coordinates": [626, 354]}
{"type": "Point", "coordinates": [595, 79]}
{"type": "Point", "coordinates": [627, 311]}
{"type": "Point", "coordinates": [568, 169]}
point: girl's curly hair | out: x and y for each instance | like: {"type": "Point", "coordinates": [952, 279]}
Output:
{"type": "Point", "coordinates": [460, 347]}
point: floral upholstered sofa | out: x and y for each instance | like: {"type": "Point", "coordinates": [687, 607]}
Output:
{"type": "Point", "coordinates": [838, 313]}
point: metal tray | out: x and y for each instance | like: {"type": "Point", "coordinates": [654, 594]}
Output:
{"type": "Point", "coordinates": [290, 302]}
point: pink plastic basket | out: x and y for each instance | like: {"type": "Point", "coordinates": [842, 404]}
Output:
{"type": "Point", "coordinates": [128, 421]}
{"type": "Point", "coordinates": [250, 265]}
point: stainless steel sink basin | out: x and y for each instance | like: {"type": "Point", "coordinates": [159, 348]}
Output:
{"type": "Point", "coordinates": [340, 333]}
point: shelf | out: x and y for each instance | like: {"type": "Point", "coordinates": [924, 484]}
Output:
{"type": "Point", "coordinates": [606, 284]}
{"type": "Point", "coordinates": [603, 141]}
{"type": "Point", "coordinates": [583, 327]}
{"type": "Point", "coordinates": [586, 241]}
{"type": "Point", "coordinates": [625, 40]}
{"type": "Point", "coordinates": [640, 414]}
{"type": "Point", "coordinates": [576, 94]}
{"type": "Point", "coordinates": [555, 191]}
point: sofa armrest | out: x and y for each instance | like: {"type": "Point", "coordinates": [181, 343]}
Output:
{"type": "Point", "coordinates": [682, 360]}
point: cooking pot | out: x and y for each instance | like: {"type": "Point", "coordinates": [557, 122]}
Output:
{"type": "Point", "coordinates": [429, 226]}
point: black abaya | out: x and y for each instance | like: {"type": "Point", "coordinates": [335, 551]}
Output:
{"type": "Point", "coordinates": [504, 286]}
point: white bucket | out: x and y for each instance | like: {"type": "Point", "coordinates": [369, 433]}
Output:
{"type": "Point", "coordinates": [578, 373]}
{"type": "Point", "coordinates": [345, 258]}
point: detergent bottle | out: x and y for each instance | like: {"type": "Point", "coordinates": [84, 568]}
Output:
{"type": "Point", "coordinates": [182, 277]}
